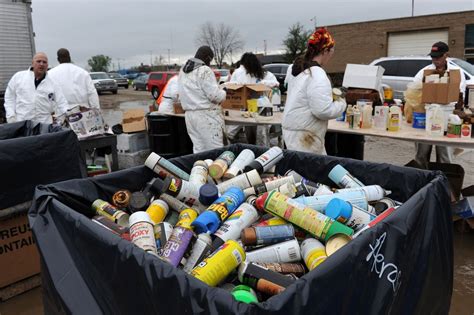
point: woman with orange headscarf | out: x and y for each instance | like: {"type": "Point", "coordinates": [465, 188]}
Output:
{"type": "Point", "coordinates": [310, 104]}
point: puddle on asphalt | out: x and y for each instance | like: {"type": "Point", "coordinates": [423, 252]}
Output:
{"type": "Point", "coordinates": [114, 116]}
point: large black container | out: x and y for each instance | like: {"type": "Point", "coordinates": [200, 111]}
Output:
{"type": "Point", "coordinates": [403, 265]}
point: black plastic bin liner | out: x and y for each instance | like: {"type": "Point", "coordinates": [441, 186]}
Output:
{"type": "Point", "coordinates": [404, 265]}
{"type": "Point", "coordinates": [31, 154]}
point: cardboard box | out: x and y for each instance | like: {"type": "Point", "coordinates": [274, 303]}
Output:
{"type": "Point", "coordinates": [363, 77]}
{"type": "Point", "coordinates": [238, 94]}
{"type": "Point", "coordinates": [441, 93]}
{"type": "Point", "coordinates": [133, 120]}
{"type": "Point", "coordinates": [19, 258]}
{"type": "Point", "coordinates": [86, 123]}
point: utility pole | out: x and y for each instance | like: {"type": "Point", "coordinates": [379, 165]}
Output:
{"type": "Point", "coordinates": [412, 8]}
{"type": "Point", "coordinates": [169, 58]}
{"type": "Point", "coordinates": [118, 60]}
{"type": "Point", "coordinates": [313, 19]}
{"type": "Point", "coordinates": [265, 47]}
{"type": "Point", "coordinates": [151, 59]}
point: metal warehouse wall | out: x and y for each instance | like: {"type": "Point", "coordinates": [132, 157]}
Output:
{"type": "Point", "coordinates": [363, 42]}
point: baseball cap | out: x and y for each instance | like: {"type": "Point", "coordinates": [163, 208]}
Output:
{"type": "Point", "coordinates": [438, 49]}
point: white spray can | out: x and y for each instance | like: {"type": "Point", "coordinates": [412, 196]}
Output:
{"type": "Point", "coordinates": [241, 181]}
{"type": "Point", "coordinates": [199, 173]}
{"type": "Point", "coordinates": [265, 161]}
{"type": "Point", "coordinates": [348, 214]}
{"type": "Point", "coordinates": [372, 192]}
{"type": "Point", "coordinates": [142, 232]}
{"type": "Point", "coordinates": [285, 252]}
{"type": "Point", "coordinates": [313, 252]}
{"type": "Point", "coordinates": [341, 177]}
{"type": "Point", "coordinates": [319, 203]}
{"type": "Point", "coordinates": [243, 159]}
{"type": "Point", "coordinates": [200, 250]}
{"type": "Point", "coordinates": [157, 164]}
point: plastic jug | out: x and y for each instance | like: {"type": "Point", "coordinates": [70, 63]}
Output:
{"type": "Point", "coordinates": [394, 118]}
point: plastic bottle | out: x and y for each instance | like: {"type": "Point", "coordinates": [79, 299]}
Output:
{"type": "Point", "coordinates": [436, 121]}
{"type": "Point", "coordinates": [367, 117]}
{"type": "Point", "coordinates": [357, 118]}
{"type": "Point", "coordinates": [159, 164]}
{"type": "Point", "coordinates": [243, 159]}
{"type": "Point", "coordinates": [350, 116]}
{"type": "Point", "coordinates": [394, 118]}
{"type": "Point", "coordinates": [220, 165]}
{"type": "Point", "coordinates": [265, 161]}
{"type": "Point", "coordinates": [454, 126]}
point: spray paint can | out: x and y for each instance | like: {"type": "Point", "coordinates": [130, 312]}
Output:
{"type": "Point", "coordinates": [242, 181]}
{"type": "Point", "coordinates": [163, 232]}
{"type": "Point", "coordinates": [265, 161]}
{"type": "Point", "coordinates": [157, 211]}
{"type": "Point", "coordinates": [105, 209]}
{"type": "Point", "coordinates": [210, 180]}
{"type": "Point", "coordinates": [220, 165]}
{"type": "Point", "coordinates": [200, 250]}
{"type": "Point", "coordinates": [199, 173]}
{"type": "Point", "coordinates": [285, 252]}
{"type": "Point", "coordinates": [142, 232]}
{"type": "Point", "coordinates": [243, 159]}
{"type": "Point", "coordinates": [372, 192]}
{"type": "Point", "coordinates": [175, 248]}
{"type": "Point", "coordinates": [270, 185]}
{"type": "Point", "coordinates": [140, 200]}
{"type": "Point", "coordinates": [300, 179]}
{"type": "Point", "coordinates": [264, 235]}
{"type": "Point", "coordinates": [175, 204]}
{"type": "Point", "coordinates": [296, 269]}
{"type": "Point", "coordinates": [219, 264]}
{"type": "Point", "coordinates": [374, 222]}
{"type": "Point", "coordinates": [121, 199]}
{"type": "Point", "coordinates": [231, 228]}
{"type": "Point", "coordinates": [182, 190]}
{"type": "Point", "coordinates": [208, 193]}
{"type": "Point", "coordinates": [263, 279]}
{"type": "Point", "coordinates": [312, 221]}
{"type": "Point", "coordinates": [186, 217]}
{"type": "Point", "coordinates": [320, 203]}
{"type": "Point", "coordinates": [336, 242]}
{"type": "Point", "coordinates": [323, 190]}
{"type": "Point", "coordinates": [121, 231]}
{"type": "Point", "coordinates": [159, 164]}
{"type": "Point", "coordinates": [172, 218]}
{"type": "Point", "coordinates": [313, 253]}
{"type": "Point", "coordinates": [348, 214]}
{"type": "Point", "coordinates": [341, 177]}
{"type": "Point", "coordinates": [383, 204]}
{"type": "Point", "coordinates": [272, 222]}
{"type": "Point", "coordinates": [244, 294]}
{"type": "Point", "coordinates": [225, 205]}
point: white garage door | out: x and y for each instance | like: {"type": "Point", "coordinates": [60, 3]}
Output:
{"type": "Point", "coordinates": [414, 43]}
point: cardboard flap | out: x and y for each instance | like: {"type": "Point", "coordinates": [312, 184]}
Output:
{"type": "Point", "coordinates": [258, 87]}
{"type": "Point", "coordinates": [233, 86]}
{"type": "Point", "coordinates": [132, 114]}
{"type": "Point", "coordinates": [454, 77]}
{"type": "Point", "coordinates": [133, 120]}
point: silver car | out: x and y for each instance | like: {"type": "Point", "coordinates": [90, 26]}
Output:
{"type": "Point", "coordinates": [103, 82]}
{"type": "Point", "coordinates": [399, 71]}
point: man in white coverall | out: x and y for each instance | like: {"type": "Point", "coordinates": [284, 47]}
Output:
{"type": "Point", "coordinates": [168, 97]}
{"type": "Point", "coordinates": [32, 95]}
{"type": "Point", "coordinates": [75, 82]}
{"type": "Point", "coordinates": [200, 98]}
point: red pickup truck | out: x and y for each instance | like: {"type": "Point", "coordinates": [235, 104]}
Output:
{"type": "Point", "coordinates": [157, 81]}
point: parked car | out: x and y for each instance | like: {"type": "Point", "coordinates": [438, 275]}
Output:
{"type": "Point", "coordinates": [399, 71]}
{"type": "Point", "coordinates": [103, 82]}
{"type": "Point", "coordinates": [140, 83]}
{"type": "Point", "coordinates": [121, 81]}
{"type": "Point", "coordinates": [279, 70]}
{"type": "Point", "coordinates": [224, 75]}
{"type": "Point", "coordinates": [157, 81]}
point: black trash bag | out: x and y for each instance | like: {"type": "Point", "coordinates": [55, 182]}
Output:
{"type": "Point", "coordinates": [33, 153]}
{"type": "Point", "coordinates": [404, 265]}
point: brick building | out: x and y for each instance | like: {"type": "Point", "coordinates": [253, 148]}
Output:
{"type": "Point", "coordinates": [365, 41]}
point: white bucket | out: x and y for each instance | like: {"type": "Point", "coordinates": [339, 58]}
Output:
{"type": "Point", "coordinates": [447, 110]}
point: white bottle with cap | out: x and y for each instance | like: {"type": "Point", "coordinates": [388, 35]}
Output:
{"type": "Point", "coordinates": [243, 159]}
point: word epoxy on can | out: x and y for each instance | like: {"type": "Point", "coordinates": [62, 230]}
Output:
{"type": "Point", "coordinates": [105, 209]}
{"type": "Point", "coordinates": [243, 159]}
{"type": "Point", "coordinates": [348, 214]}
{"type": "Point", "coordinates": [313, 252]}
{"type": "Point", "coordinates": [320, 203]}
{"type": "Point", "coordinates": [372, 192]}
{"type": "Point", "coordinates": [242, 181]}
{"type": "Point", "coordinates": [263, 279]}
{"type": "Point", "coordinates": [231, 228]}
{"type": "Point", "coordinates": [157, 211]}
{"type": "Point", "coordinates": [220, 165]}
{"type": "Point", "coordinates": [199, 173]}
{"type": "Point", "coordinates": [219, 264]}
{"type": "Point", "coordinates": [142, 232]}
{"type": "Point", "coordinates": [264, 235]}
{"type": "Point", "coordinates": [312, 221]}
{"type": "Point", "coordinates": [225, 205]}
{"type": "Point", "coordinates": [266, 161]}
{"type": "Point", "coordinates": [285, 252]}
{"type": "Point", "coordinates": [341, 177]}
{"type": "Point", "coordinates": [174, 249]}
{"type": "Point", "coordinates": [200, 250]}
{"type": "Point", "coordinates": [157, 163]}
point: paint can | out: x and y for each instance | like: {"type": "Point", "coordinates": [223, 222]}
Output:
{"type": "Point", "coordinates": [348, 214]}
{"type": "Point", "coordinates": [335, 242]}
{"type": "Point", "coordinates": [296, 269]}
{"type": "Point", "coordinates": [231, 228]}
{"type": "Point", "coordinates": [243, 159]}
{"type": "Point", "coordinates": [272, 222]}
{"type": "Point", "coordinates": [265, 161]}
{"type": "Point", "coordinates": [181, 190]}
{"type": "Point", "coordinates": [140, 200]}
{"type": "Point", "coordinates": [311, 221]}
{"type": "Point", "coordinates": [244, 294]}
{"type": "Point", "coordinates": [383, 204]}
{"type": "Point", "coordinates": [320, 203]}
{"type": "Point", "coordinates": [121, 231]}
{"type": "Point", "coordinates": [176, 246]}
{"type": "Point", "coordinates": [199, 173]}
{"type": "Point", "coordinates": [208, 193]}
{"type": "Point", "coordinates": [341, 177]}
{"type": "Point", "coordinates": [285, 252]}
{"type": "Point", "coordinates": [186, 218]}
{"type": "Point", "coordinates": [200, 250]}
{"type": "Point", "coordinates": [105, 209]}
{"type": "Point", "coordinates": [142, 232]}
{"type": "Point", "coordinates": [242, 181]}
{"type": "Point", "coordinates": [263, 279]}
{"type": "Point", "coordinates": [159, 164]}
{"type": "Point", "coordinates": [163, 232]}
{"type": "Point", "coordinates": [265, 235]}
{"type": "Point", "coordinates": [323, 190]}
{"type": "Point", "coordinates": [121, 199]}
{"type": "Point", "coordinates": [220, 165]}
{"type": "Point", "coordinates": [219, 264]}
{"type": "Point", "coordinates": [372, 192]}
{"type": "Point", "coordinates": [374, 222]}
{"type": "Point", "coordinates": [217, 212]}
{"type": "Point", "coordinates": [313, 253]}
{"type": "Point", "coordinates": [175, 204]}
{"type": "Point", "coordinates": [172, 217]}
{"type": "Point", "coordinates": [157, 211]}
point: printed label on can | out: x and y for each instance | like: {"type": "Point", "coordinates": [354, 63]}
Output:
{"type": "Point", "coordinates": [225, 204]}
{"type": "Point", "coordinates": [173, 169]}
{"type": "Point", "coordinates": [349, 181]}
{"type": "Point", "coordinates": [270, 158]}
{"type": "Point", "coordinates": [227, 156]}
{"type": "Point", "coordinates": [274, 234]}
{"type": "Point", "coordinates": [198, 175]}
{"type": "Point", "coordinates": [243, 217]}
{"type": "Point", "coordinates": [174, 249]}
{"type": "Point", "coordinates": [186, 217]}
{"type": "Point", "coordinates": [285, 252]}
{"type": "Point", "coordinates": [315, 258]}
{"type": "Point", "coordinates": [142, 235]}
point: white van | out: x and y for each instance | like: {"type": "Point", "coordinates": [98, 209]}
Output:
{"type": "Point", "coordinates": [399, 71]}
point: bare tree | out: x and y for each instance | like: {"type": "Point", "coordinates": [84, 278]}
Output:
{"type": "Point", "coordinates": [223, 39]}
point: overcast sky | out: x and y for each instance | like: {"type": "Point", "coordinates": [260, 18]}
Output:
{"type": "Point", "coordinates": [135, 31]}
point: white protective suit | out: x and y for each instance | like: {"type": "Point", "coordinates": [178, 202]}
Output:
{"type": "Point", "coordinates": [308, 108]}
{"type": "Point", "coordinates": [169, 97]}
{"type": "Point", "coordinates": [240, 76]}
{"type": "Point", "coordinates": [289, 79]}
{"type": "Point", "coordinates": [423, 151]}
{"type": "Point", "coordinates": [76, 84]}
{"type": "Point", "coordinates": [200, 97]}
{"type": "Point", "coordinates": [23, 101]}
